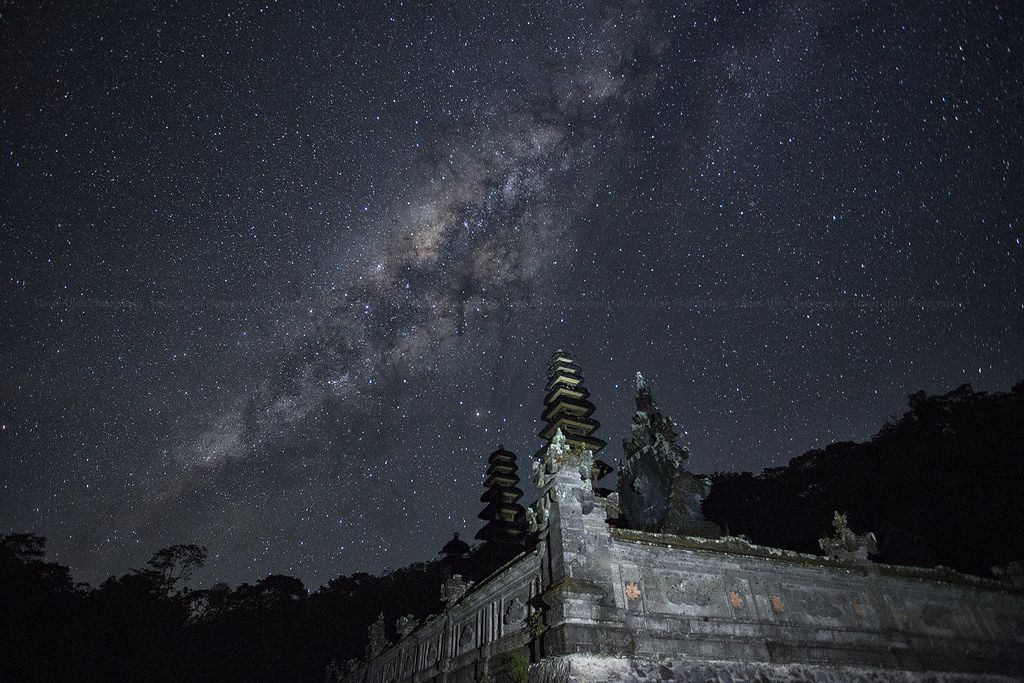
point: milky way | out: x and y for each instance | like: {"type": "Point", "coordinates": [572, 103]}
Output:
{"type": "Point", "coordinates": [280, 278]}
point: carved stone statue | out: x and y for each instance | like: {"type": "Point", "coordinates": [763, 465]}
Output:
{"type": "Point", "coordinates": [377, 641]}
{"type": "Point", "coordinates": [557, 453]}
{"type": "Point", "coordinates": [537, 517]}
{"type": "Point", "coordinates": [515, 613]}
{"type": "Point", "coordinates": [333, 673]}
{"type": "Point", "coordinates": [406, 624]}
{"type": "Point", "coordinates": [453, 589]}
{"type": "Point", "coordinates": [1012, 574]}
{"type": "Point", "coordinates": [845, 545]}
{"type": "Point", "coordinates": [656, 492]}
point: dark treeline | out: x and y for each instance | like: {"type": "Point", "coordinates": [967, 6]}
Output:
{"type": "Point", "coordinates": [940, 485]}
{"type": "Point", "coordinates": [147, 626]}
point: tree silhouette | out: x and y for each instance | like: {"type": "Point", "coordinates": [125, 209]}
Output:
{"type": "Point", "coordinates": [938, 485]}
{"type": "Point", "coordinates": [177, 563]}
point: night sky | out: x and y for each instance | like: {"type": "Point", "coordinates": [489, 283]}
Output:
{"type": "Point", "coordinates": [278, 277]}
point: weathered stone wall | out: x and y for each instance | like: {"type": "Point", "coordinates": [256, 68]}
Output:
{"type": "Point", "coordinates": [460, 644]}
{"type": "Point", "coordinates": [651, 597]}
{"type": "Point", "coordinates": [612, 604]}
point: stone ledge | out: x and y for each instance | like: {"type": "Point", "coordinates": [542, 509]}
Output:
{"type": "Point", "coordinates": [732, 545]}
{"type": "Point", "coordinates": [583, 668]}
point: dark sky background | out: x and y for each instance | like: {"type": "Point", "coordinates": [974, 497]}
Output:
{"type": "Point", "coordinates": [277, 277]}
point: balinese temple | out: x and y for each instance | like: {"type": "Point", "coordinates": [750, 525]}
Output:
{"type": "Point", "coordinates": [506, 518]}
{"type": "Point", "coordinates": [566, 407]}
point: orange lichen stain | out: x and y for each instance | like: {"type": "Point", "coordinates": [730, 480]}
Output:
{"type": "Point", "coordinates": [777, 606]}
{"type": "Point", "coordinates": [858, 609]}
{"type": "Point", "coordinates": [735, 600]}
{"type": "Point", "coordinates": [632, 590]}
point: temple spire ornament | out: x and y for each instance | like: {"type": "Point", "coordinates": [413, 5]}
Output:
{"type": "Point", "coordinates": [656, 492]}
{"type": "Point", "coordinates": [505, 517]}
{"type": "Point", "coordinates": [567, 408]}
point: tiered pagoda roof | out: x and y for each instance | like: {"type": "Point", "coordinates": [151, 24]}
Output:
{"type": "Point", "coordinates": [506, 518]}
{"type": "Point", "coordinates": [566, 407]}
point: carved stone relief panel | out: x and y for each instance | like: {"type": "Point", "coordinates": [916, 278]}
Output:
{"type": "Point", "coordinates": [408, 663]}
{"type": "Point", "coordinates": [818, 604]}
{"type": "Point", "coordinates": [692, 594]}
{"type": "Point", "coordinates": [431, 652]}
{"type": "Point", "coordinates": [466, 638]}
{"type": "Point", "coordinates": [515, 613]}
{"type": "Point", "coordinates": [936, 618]}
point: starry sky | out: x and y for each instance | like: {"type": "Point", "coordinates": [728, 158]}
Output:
{"type": "Point", "coordinates": [279, 276]}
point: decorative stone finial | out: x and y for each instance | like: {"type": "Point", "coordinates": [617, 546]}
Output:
{"type": "Point", "coordinates": [559, 453]}
{"type": "Point", "coordinates": [845, 544]}
{"type": "Point", "coordinates": [453, 589]}
{"type": "Point", "coordinates": [405, 625]}
{"type": "Point", "coordinates": [377, 642]}
{"type": "Point", "coordinates": [558, 445]}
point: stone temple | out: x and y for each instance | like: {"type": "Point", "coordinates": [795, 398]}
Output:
{"type": "Point", "coordinates": [588, 594]}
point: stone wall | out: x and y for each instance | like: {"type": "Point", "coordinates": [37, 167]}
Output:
{"type": "Point", "coordinates": [657, 599]}
{"type": "Point", "coordinates": [460, 643]}
{"type": "Point", "coordinates": [612, 604]}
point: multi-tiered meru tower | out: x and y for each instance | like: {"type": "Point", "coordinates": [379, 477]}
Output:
{"type": "Point", "coordinates": [566, 407]}
{"type": "Point", "coordinates": [505, 517]}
